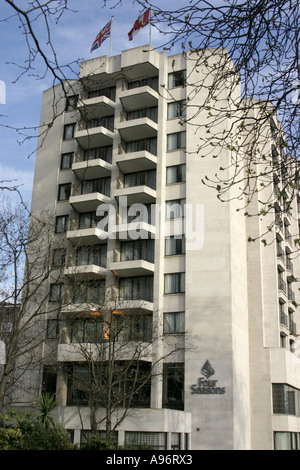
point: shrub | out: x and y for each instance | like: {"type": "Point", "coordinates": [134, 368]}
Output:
{"type": "Point", "coordinates": [10, 439]}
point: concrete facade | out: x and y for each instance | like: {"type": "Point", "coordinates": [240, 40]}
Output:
{"type": "Point", "coordinates": [236, 344]}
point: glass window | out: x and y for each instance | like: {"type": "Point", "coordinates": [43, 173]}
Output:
{"type": "Point", "coordinates": [173, 386]}
{"type": "Point", "coordinates": [176, 174]}
{"type": "Point", "coordinates": [175, 246]}
{"type": "Point", "coordinates": [58, 258]}
{"type": "Point", "coordinates": [64, 191]}
{"type": "Point", "coordinates": [150, 145]}
{"type": "Point", "coordinates": [147, 178]}
{"type": "Point", "coordinates": [176, 109]}
{"type": "Point", "coordinates": [66, 161]}
{"type": "Point", "coordinates": [52, 329]}
{"type": "Point", "coordinates": [137, 288]}
{"type": "Point", "coordinates": [105, 153]}
{"type": "Point", "coordinates": [175, 208]}
{"type": "Point", "coordinates": [61, 223]}
{"type": "Point", "coordinates": [155, 440]}
{"type": "Point", "coordinates": [99, 185]}
{"type": "Point", "coordinates": [140, 249]}
{"type": "Point", "coordinates": [176, 79]}
{"type": "Point", "coordinates": [175, 283]}
{"type": "Point", "coordinates": [174, 323]}
{"type": "Point", "coordinates": [92, 255]}
{"type": "Point", "coordinates": [71, 103]}
{"type": "Point", "coordinates": [56, 292]}
{"type": "Point", "coordinates": [69, 130]}
{"type": "Point", "coordinates": [176, 141]}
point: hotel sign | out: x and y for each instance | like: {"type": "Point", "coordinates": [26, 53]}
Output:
{"type": "Point", "coordinates": [206, 386]}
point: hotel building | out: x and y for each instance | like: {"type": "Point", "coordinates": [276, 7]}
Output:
{"type": "Point", "coordinates": [227, 373]}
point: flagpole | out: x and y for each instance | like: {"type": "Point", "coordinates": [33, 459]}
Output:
{"type": "Point", "coordinates": [111, 30]}
{"type": "Point", "coordinates": [150, 27]}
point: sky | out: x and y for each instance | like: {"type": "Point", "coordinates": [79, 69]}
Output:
{"type": "Point", "coordinates": [72, 37]}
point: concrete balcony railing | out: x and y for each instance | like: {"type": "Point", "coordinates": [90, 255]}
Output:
{"type": "Point", "coordinates": [91, 107]}
{"type": "Point", "coordinates": [133, 97]}
{"type": "Point", "coordinates": [98, 136]}
{"type": "Point", "coordinates": [89, 271]}
{"type": "Point", "coordinates": [88, 202]}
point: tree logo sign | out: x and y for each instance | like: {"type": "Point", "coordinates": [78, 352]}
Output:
{"type": "Point", "coordinates": [206, 386]}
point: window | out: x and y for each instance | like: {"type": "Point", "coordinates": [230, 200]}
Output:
{"type": "Point", "coordinates": [175, 208]}
{"type": "Point", "coordinates": [147, 81]}
{"type": "Point", "coordinates": [155, 440]}
{"type": "Point", "coordinates": [89, 220]}
{"type": "Point", "coordinates": [173, 386]}
{"type": "Point", "coordinates": [109, 92]}
{"type": "Point", "coordinates": [150, 145]}
{"type": "Point", "coordinates": [58, 258]}
{"type": "Point", "coordinates": [61, 224]}
{"type": "Point", "coordinates": [174, 323]}
{"type": "Point", "coordinates": [56, 292]}
{"type": "Point", "coordinates": [71, 103]}
{"type": "Point", "coordinates": [175, 246]}
{"type": "Point", "coordinates": [176, 141]}
{"type": "Point", "coordinates": [175, 283]}
{"type": "Point", "coordinates": [176, 174]}
{"type": "Point", "coordinates": [151, 113]}
{"type": "Point", "coordinates": [285, 399]}
{"type": "Point", "coordinates": [52, 329]}
{"type": "Point", "coordinates": [105, 121]}
{"type": "Point", "coordinates": [49, 380]}
{"type": "Point", "coordinates": [137, 288]}
{"type": "Point", "coordinates": [105, 153]}
{"type": "Point", "coordinates": [147, 178]}
{"type": "Point", "coordinates": [132, 327]}
{"type": "Point", "coordinates": [176, 79]}
{"type": "Point", "coordinates": [140, 249]}
{"type": "Point", "coordinates": [89, 292]}
{"type": "Point", "coordinates": [176, 109]}
{"type": "Point", "coordinates": [287, 441]}
{"type": "Point", "coordinates": [64, 191]}
{"type": "Point", "coordinates": [92, 255]}
{"type": "Point", "coordinates": [99, 185]}
{"type": "Point", "coordinates": [66, 161]}
{"type": "Point", "coordinates": [87, 330]}
{"type": "Point", "coordinates": [69, 130]}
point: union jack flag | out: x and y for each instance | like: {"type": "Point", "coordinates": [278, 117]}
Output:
{"type": "Point", "coordinates": [104, 34]}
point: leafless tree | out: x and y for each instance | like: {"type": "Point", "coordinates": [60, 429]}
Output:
{"type": "Point", "coordinates": [251, 50]}
{"type": "Point", "coordinates": [26, 265]}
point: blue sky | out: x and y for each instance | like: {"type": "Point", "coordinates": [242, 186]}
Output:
{"type": "Point", "coordinates": [72, 38]}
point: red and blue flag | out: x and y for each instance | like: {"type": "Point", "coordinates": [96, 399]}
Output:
{"type": "Point", "coordinates": [104, 34]}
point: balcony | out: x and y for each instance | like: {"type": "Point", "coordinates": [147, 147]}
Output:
{"type": "Point", "coordinates": [140, 123]}
{"type": "Point", "coordinates": [98, 132]}
{"type": "Point", "coordinates": [87, 236]}
{"type": "Point", "coordinates": [135, 230]}
{"type": "Point", "coordinates": [291, 295]}
{"type": "Point", "coordinates": [136, 161]}
{"type": "Point", "coordinates": [97, 168]}
{"type": "Point", "coordinates": [88, 202]}
{"type": "Point", "coordinates": [137, 194]}
{"type": "Point", "coordinates": [90, 271]}
{"type": "Point", "coordinates": [138, 267]}
{"type": "Point", "coordinates": [284, 319]}
{"type": "Point", "coordinates": [133, 97]}
{"type": "Point", "coordinates": [282, 285]}
{"type": "Point", "coordinates": [91, 107]}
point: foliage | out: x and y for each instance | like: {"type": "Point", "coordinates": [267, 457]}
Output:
{"type": "Point", "coordinates": [10, 439]}
{"type": "Point", "coordinates": [45, 404]}
{"type": "Point", "coordinates": [97, 442]}
{"type": "Point", "coordinates": [25, 431]}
